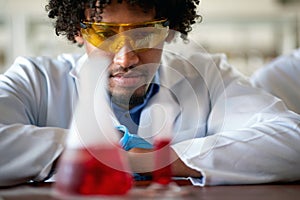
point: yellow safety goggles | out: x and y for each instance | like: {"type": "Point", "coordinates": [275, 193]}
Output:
{"type": "Point", "coordinates": [111, 37]}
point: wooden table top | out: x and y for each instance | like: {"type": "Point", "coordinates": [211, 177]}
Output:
{"type": "Point", "coordinates": [291, 191]}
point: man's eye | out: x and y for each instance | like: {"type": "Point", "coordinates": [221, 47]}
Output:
{"type": "Point", "coordinates": [106, 34]}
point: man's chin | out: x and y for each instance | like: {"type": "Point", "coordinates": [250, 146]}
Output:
{"type": "Point", "coordinates": [127, 101]}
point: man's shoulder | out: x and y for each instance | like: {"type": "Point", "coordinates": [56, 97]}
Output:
{"type": "Point", "coordinates": [193, 60]}
{"type": "Point", "coordinates": [190, 52]}
{"type": "Point", "coordinates": [42, 67]}
{"type": "Point", "coordinates": [63, 62]}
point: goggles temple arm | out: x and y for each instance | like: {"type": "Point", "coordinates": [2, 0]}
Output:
{"type": "Point", "coordinates": [166, 23]}
{"type": "Point", "coordinates": [82, 25]}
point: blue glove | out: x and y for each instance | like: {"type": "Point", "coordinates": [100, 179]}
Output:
{"type": "Point", "coordinates": [129, 141]}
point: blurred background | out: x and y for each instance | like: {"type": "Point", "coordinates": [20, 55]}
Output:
{"type": "Point", "coordinates": [250, 33]}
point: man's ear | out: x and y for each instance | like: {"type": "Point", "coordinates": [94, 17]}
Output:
{"type": "Point", "coordinates": [79, 39]}
{"type": "Point", "coordinates": [170, 36]}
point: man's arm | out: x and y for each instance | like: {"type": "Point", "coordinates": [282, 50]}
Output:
{"type": "Point", "coordinates": [28, 146]}
{"type": "Point", "coordinates": [141, 161]}
{"type": "Point", "coordinates": [28, 152]}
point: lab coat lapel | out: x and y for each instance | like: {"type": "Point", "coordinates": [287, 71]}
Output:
{"type": "Point", "coordinates": [164, 99]}
{"type": "Point", "coordinates": [74, 73]}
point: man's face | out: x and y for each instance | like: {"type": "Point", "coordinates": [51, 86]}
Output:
{"type": "Point", "coordinates": [130, 71]}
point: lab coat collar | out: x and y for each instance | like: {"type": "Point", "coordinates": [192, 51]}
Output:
{"type": "Point", "coordinates": [150, 125]}
{"type": "Point", "coordinates": [75, 71]}
{"type": "Point", "coordinates": [164, 97]}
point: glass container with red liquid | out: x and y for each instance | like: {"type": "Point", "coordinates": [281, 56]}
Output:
{"type": "Point", "coordinates": [93, 164]}
{"type": "Point", "coordinates": [92, 171]}
{"type": "Point", "coordinates": [163, 172]}
{"type": "Point", "coordinates": [162, 127]}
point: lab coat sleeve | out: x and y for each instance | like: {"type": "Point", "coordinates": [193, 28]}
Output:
{"type": "Point", "coordinates": [28, 152]}
{"type": "Point", "coordinates": [27, 147]}
{"type": "Point", "coordinates": [251, 137]}
{"type": "Point", "coordinates": [281, 78]}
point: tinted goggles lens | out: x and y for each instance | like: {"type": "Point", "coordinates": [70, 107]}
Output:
{"type": "Point", "coordinates": [112, 37]}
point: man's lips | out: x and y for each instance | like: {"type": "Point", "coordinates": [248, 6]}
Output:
{"type": "Point", "coordinates": [127, 79]}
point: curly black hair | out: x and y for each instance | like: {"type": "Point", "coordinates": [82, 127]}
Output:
{"type": "Point", "coordinates": [69, 13]}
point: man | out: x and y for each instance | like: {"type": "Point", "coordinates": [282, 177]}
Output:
{"type": "Point", "coordinates": [224, 131]}
{"type": "Point", "coordinates": [281, 78]}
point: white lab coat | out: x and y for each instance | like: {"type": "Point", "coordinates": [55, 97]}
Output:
{"type": "Point", "coordinates": [231, 132]}
{"type": "Point", "coordinates": [281, 78]}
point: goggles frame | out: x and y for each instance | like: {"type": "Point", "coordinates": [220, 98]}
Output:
{"type": "Point", "coordinates": [97, 33]}
{"type": "Point", "coordinates": [164, 22]}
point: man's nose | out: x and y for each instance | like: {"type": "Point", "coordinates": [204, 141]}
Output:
{"type": "Point", "coordinates": [126, 57]}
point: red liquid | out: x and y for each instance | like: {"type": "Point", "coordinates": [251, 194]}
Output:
{"type": "Point", "coordinates": [101, 172]}
{"type": "Point", "coordinates": [163, 172]}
